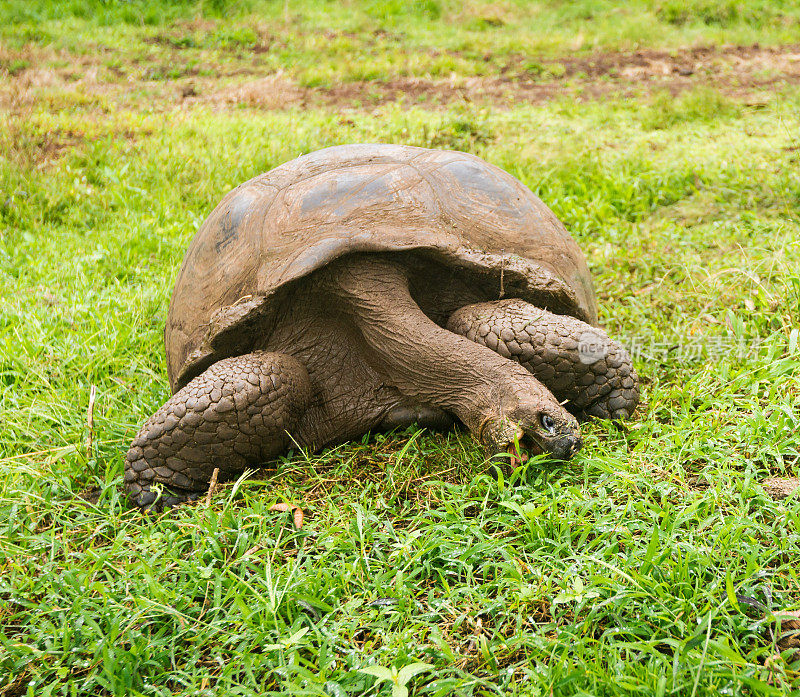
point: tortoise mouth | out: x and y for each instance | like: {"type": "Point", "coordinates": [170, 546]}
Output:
{"type": "Point", "coordinates": [561, 447]}
{"type": "Point", "coordinates": [523, 449]}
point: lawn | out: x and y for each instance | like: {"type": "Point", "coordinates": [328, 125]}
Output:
{"type": "Point", "coordinates": [665, 135]}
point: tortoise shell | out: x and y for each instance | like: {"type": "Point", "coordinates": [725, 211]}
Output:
{"type": "Point", "coordinates": [281, 226]}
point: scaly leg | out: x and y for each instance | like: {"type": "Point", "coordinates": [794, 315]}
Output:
{"type": "Point", "coordinates": [239, 412]}
{"type": "Point", "coordinates": [577, 362]}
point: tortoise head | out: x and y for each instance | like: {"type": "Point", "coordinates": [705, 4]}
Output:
{"type": "Point", "coordinates": [540, 425]}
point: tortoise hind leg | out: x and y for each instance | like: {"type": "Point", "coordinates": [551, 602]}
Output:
{"type": "Point", "coordinates": [576, 361]}
{"type": "Point", "coordinates": [239, 412]}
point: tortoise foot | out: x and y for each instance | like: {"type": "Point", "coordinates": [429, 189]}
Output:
{"type": "Point", "coordinates": [238, 413]}
{"type": "Point", "coordinates": [154, 500]}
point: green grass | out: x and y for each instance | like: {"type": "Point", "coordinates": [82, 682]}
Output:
{"type": "Point", "coordinates": [614, 574]}
{"type": "Point", "coordinates": [322, 42]}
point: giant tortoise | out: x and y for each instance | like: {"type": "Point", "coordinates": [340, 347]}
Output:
{"type": "Point", "coordinates": [369, 287]}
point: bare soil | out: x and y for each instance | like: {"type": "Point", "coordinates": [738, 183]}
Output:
{"type": "Point", "coordinates": [751, 74]}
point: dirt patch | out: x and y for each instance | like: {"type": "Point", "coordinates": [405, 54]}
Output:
{"type": "Point", "coordinates": [49, 146]}
{"type": "Point", "coordinates": [275, 91]}
{"type": "Point", "coordinates": [747, 73]}
{"type": "Point", "coordinates": [26, 87]}
{"type": "Point", "coordinates": [780, 488]}
{"type": "Point", "coordinates": [645, 64]}
{"type": "Point", "coordinates": [741, 72]}
{"type": "Point", "coordinates": [32, 149]}
{"type": "Point", "coordinates": [750, 74]}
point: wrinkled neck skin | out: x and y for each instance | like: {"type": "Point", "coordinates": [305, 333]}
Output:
{"type": "Point", "coordinates": [421, 359]}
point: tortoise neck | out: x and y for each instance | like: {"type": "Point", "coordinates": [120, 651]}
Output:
{"type": "Point", "coordinates": [412, 353]}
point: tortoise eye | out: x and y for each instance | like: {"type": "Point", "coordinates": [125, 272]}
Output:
{"type": "Point", "coordinates": [547, 422]}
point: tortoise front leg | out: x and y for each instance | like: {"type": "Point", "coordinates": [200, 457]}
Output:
{"type": "Point", "coordinates": [239, 412]}
{"type": "Point", "coordinates": [577, 362]}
